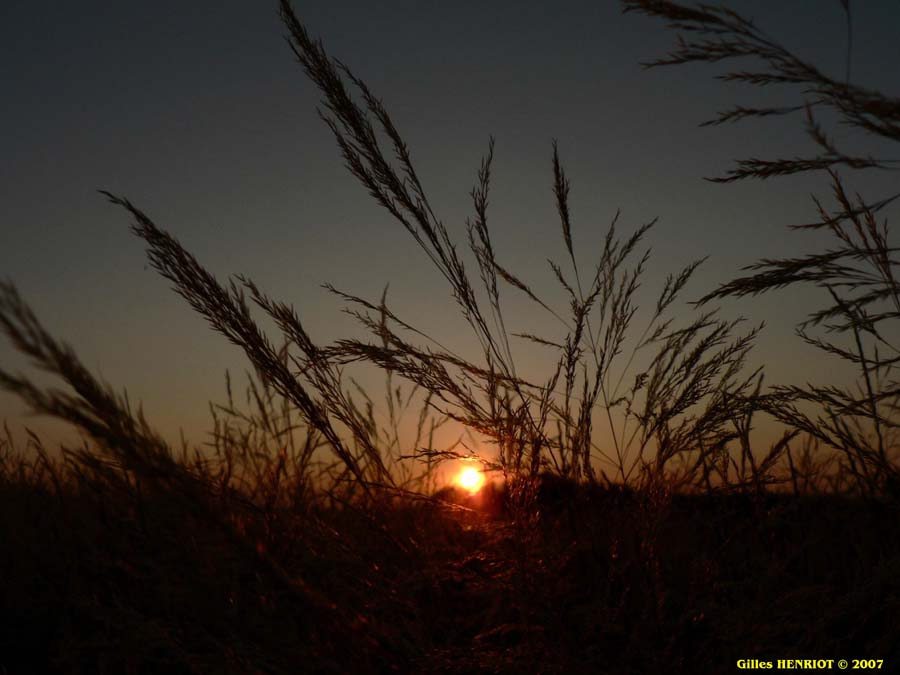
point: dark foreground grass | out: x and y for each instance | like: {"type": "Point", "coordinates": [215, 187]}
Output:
{"type": "Point", "coordinates": [304, 539]}
{"type": "Point", "coordinates": [99, 580]}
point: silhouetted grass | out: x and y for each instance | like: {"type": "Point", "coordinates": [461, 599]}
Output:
{"type": "Point", "coordinates": [101, 573]}
{"type": "Point", "coordinates": [859, 322]}
{"type": "Point", "coordinates": [630, 525]}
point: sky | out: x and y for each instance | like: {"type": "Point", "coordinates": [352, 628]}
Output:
{"type": "Point", "coordinates": [198, 113]}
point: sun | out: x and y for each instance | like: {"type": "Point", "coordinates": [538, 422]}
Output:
{"type": "Point", "coordinates": [470, 479]}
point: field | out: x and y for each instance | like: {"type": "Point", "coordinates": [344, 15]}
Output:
{"type": "Point", "coordinates": [104, 578]}
{"type": "Point", "coordinates": [629, 521]}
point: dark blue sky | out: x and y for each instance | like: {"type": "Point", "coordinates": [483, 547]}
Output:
{"type": "Point", "coordinates": [198, 113]}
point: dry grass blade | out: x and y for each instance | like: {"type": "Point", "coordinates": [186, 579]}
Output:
{"type": "Point", "coordinates": [857, 273]}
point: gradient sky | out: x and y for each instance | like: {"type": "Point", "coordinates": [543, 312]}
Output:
{"type": "Point", "coordinates": [198, 113]}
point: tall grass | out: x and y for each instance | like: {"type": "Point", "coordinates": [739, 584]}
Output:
{"type": "Point", "coordinates": [679, 407]}
{"type": "Point", "coordinates": [304, 536]}
{"type": "Point", "coordinates": [858, 322]}
{"type": "Point", "coordinates": [660, 422]}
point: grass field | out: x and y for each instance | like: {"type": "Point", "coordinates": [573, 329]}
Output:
{"type": "Point", "coordinates": [100, 576]}
{"type": "Point", "coordinates": [630, 522]}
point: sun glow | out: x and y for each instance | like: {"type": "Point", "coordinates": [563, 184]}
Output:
{"type": "Point", "coordinates": [470, 479]}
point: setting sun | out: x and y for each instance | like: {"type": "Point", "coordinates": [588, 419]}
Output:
{"type": "Point", "coordinates": [470, 479]}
